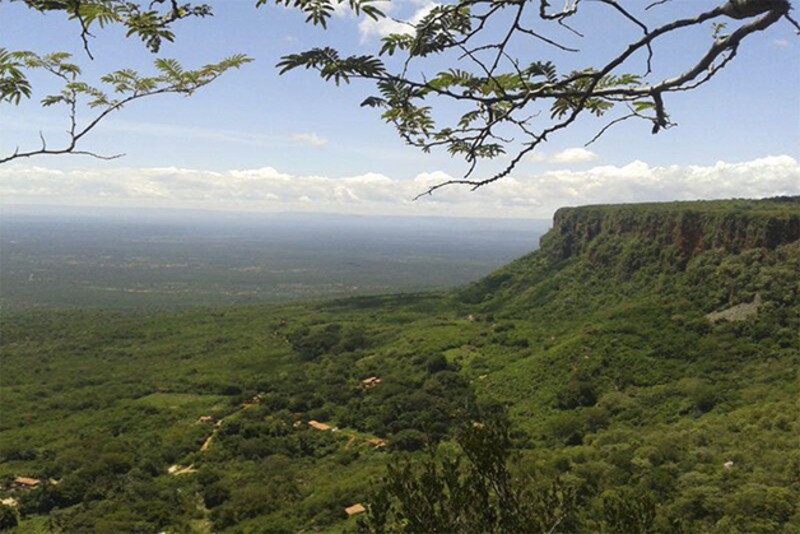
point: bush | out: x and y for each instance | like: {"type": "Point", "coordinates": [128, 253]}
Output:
{"type": "Point", "coordinates": [577, 392]}
{"type": "Point", "coordinates": [408, 440]}
{"type": "Point", "coordinates": [629, 510]}
{"type": "Point", "coordinates": [311, 343]}
{"type": "Point", "coordinates": [215, 494]}
{"type": "Point", "coordinates": [567, 428]}
{"type": "Point", "coordinates": [8, 517]}
{"type": "Point", "coordinates": [437, 363]}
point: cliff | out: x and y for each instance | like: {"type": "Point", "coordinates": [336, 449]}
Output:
{"type": "Point", "coordinates": [712, 247]}
{"type": "Point", "coordinates": [682, 229]}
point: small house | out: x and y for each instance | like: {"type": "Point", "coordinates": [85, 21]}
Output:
{"type": "Point", "coordinates": [318, 425]}
{"type": "Point", "coordinates": [355, 509]}
{"type": "Point", "coordinates": [181, 470]}
{"type": "Point", "coordinates": [207, 443]}
{"type": "Point", "coordinates": [371, 382]}
{"type": "Point", "coordinates": [27, 482]}
{"type": "Point", "coordinates": [377, 442]}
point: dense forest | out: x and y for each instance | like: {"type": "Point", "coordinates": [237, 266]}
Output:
{"type": "Point", "coordinates": [637, 373]}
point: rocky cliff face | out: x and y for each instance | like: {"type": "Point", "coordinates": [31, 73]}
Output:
{"type": "Point", "coordinates": [685, 229]}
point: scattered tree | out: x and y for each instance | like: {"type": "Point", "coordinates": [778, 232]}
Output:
{"type": "Point", "coordinates": [471, 492]}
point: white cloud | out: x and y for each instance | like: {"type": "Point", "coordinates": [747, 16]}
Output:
{"type": "Point", "coordinates": [343, 10]}
{"type": "Point", "coordinates": [394, 24]}
{"type": "Point", "coordinates": [781, 43]}
{"type": "Point", "coordinates": [566, 156]}
{"type": "Point", "coordinates": [311, 139]}
{"type": "Point", "coordinates": [519, 196]}
{"type": "Point", "coordinates": [573, 155]}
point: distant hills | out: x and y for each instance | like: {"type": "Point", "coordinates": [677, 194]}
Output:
{"type": "Point", "coordinates": [612, 349]}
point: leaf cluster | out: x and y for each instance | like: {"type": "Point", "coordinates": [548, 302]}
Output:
{"type": "Point", "coordinates": [126, 83]}
{"type": "Point", "coordinates": [472, 491]}
{"type": "Point", "coordinates": [145, 21]}
{"type": "Point", "coordinates": [319, 12]}
{"type": "Point", "coordinates": [14, 83]}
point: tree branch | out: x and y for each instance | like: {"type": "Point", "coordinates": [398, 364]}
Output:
{"type": "Point", "coordinates": [172, 79]}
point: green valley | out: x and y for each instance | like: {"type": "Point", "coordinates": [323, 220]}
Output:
{"type": "Point", "coordinates": [646, 355]}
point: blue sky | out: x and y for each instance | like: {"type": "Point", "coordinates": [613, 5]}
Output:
{"type": "Point", "coordinates": [301, 128]}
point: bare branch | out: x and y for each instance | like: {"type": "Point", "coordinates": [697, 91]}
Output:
{"type": "Point", "coordinates": [546, 40]}
{"type": "Point", "coordinates": [610, 125]}
{"type": "Point", "coordinates": [84, 29]}
{"type": "Point", "coordinates": [76, 136]}
{"type": "Point", "coordinates": [657, 3]}
{"type": "Point", "coordinates": [793, 22]}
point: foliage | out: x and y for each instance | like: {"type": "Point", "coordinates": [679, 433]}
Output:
{"type": "Point", "coordinates": [150, 24]}
{"type": "Point", "coordinates": [124, 86]}
{"type": "Point", "coordinates": [651, 417]}
{"type": "Point", "coordinates": [473, 491]}
{"type": "Point", "coordinates": [628, 511]}
{"type": "Point", "coordinates": [126, 83]}
{"type": "Point", "coordinates": [320, 11]}
{"type": "Point", "coordinates": [14, 84]}
{"type": "Point", "coordinates": [496, 87]}
{"type": "Point", "coordinates": [8, 517]}
{"type": "Point", "coordinates": [502, 99]}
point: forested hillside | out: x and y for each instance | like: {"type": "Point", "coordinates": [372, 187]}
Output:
{"type": "Point", "coordinates": [646, 355]}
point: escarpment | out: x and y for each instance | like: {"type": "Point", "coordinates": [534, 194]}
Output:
{"type": "Point", "coordinates": [681, 230]}
{"type": "Point", "coordinates": [713, 244]}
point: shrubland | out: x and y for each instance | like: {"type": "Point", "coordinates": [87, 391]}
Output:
{"type": "Point", "coordinates": [584, 385]}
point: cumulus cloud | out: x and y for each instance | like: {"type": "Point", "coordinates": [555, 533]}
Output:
{"type": "Point", "coordinates": [522, 195]}
{"type": "Point", "coordinates": [573, 155]}
{"type": "Point", "coordinates": [311, 139]}
{"type": "Point", "coordinates": [393, 23]}
{"type": "Point", "coordinates": [566, 156]}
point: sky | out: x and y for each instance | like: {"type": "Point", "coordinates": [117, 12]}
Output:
{"type": "Point", "coordinates": [257, 141]}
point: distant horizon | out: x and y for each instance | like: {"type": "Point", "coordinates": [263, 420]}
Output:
{"type": "Point", "coordinates": [88, 210]}
{"type": "Point", "coordinates": [80, 210]}
{"type": "Point", "coordinates": [129, 258]}
{"type": "Point", "coordinates": [267, 190]}
{"type": "Point", "coordinates": [293, 143]}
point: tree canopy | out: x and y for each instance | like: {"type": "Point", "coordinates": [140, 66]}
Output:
{"type": "Point", "coordinates": [509, 68]}
{"type": "Point", "coordinates": [504, 96]}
